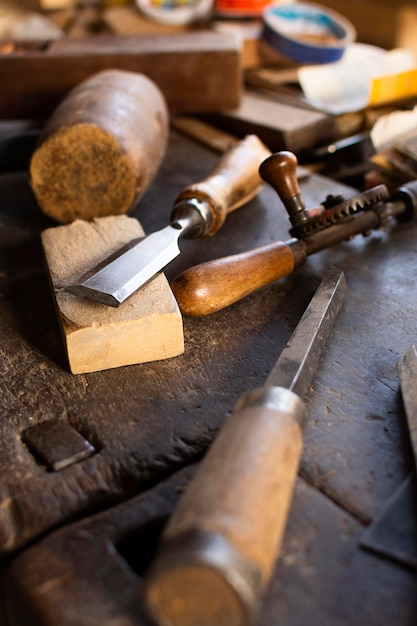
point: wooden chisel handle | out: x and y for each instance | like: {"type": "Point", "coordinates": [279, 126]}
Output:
{"type": "Point", "coordinates": [214, 285]}
{"type": "Point", "coordinates": [219, 548]}
{"type": "Point", "coordinates": [232, 183]}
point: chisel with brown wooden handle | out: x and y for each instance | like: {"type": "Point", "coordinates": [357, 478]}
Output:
{"type": "Point", "coordinates": [219, 548]}
{"type": "Point", "coordinates": [214, 285]}
{"type": "Point", "coordinates": [200, 210]}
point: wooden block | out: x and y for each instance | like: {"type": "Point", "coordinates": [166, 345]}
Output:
{"type": "Point", "coordinates": [248, 33]}
{"type": "Point", "coordinates": [147, 327]}
{"type": "Point", "coordinates": [280, 125]}
{"type": "Point", "coordinates": [196, 71]}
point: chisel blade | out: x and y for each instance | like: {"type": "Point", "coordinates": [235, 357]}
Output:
{"type": "Point", "coordinates": [297, 363]}
{"type": "Point", "coordinates": [122, 276]}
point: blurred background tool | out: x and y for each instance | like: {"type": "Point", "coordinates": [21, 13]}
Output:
{"type": "Point", "coordinates": [176, 11]}
{"type": "Point", "coordinates": [301, 32]}
{"type": "Point", "coordinates": [219, 548]}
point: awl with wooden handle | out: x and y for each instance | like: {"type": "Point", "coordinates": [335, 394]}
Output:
{"type": "Point", "coordinates": [200, 210]}
{"type": "Point", "coordinates": [219, 548]}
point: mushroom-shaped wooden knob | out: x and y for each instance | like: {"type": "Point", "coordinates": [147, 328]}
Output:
{"type": "Point", "coordinates": [280, 171]}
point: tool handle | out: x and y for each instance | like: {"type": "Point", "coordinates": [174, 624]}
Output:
{"type": "Point", "coordinates": [214, 285]}
{"type": "Point", "coordinates": [220, 546]}
{"type": "Point", "coordinates": [232, 183]}
{"type": "Point", "coordinates": [280, 171]}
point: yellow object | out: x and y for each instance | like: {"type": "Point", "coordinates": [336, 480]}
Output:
{"type": "Point", "coordinates": [393, 87]}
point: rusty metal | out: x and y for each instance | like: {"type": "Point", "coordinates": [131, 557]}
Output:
{"type": "Point", "coordinates": [337, 210]}
{"type": "Point", "coordinates": [56, 444]}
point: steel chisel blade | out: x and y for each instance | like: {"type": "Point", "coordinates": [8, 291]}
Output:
{"type": "Point", "coordinates": [297, 363]}
{"type": "Point", "coordinates": [121, 277]}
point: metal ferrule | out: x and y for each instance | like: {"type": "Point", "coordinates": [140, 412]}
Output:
{"type": "Point", "coordinates": [193, 215]}
{"type": "Point", "coordinates": [296, 210]}
{"type": "Point", "coordinates": [277, 399]}
{"type": "Point", "coordinates": [405, 202]}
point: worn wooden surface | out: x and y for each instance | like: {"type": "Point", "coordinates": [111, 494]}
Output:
{"type": "Point", "coordinates": [146, 421]}
{"type": "Point", "coordinates": [196, 71]}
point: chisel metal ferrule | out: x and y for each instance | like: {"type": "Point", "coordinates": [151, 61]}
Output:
{"type": "Point", "coordinates": [278, 399]}
{"type": "Point", "coordinates": [193, 215]}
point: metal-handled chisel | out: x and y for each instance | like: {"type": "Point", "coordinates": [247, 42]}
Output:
{"type": "Point", "coordinates": [200, 210]}
{"type": "Point", "coordinates": [219, 548]}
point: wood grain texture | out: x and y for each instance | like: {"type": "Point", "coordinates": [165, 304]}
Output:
{"type": "Point", "coordinates": [196, 71]}
{"type": "Point", "coordinates": [206, 288]}
{"type": "Point", "coordinates": [144, 420]}
{"type": "Point", "coordinates": [247, 486]}
{"type": "Point", "coordinates": [97, 337]}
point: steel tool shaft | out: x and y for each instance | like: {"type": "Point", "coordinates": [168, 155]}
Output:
{"type": "Point", "coordinates": [200, 210]}
{"type": "Point", "coordinates": [219, 548]}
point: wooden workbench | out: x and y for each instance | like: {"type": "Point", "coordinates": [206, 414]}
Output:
{"type": "Point", "coordinates": [75, 542]}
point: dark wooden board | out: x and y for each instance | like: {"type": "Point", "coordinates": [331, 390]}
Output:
{"type": "Point", "coordinates": [281, 125]}
{"type": "Point", "coordinates": [196, 71]}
